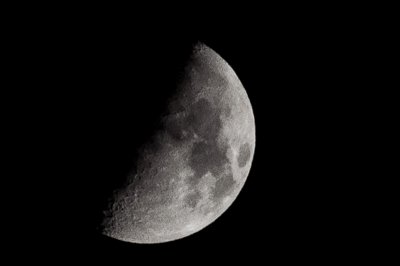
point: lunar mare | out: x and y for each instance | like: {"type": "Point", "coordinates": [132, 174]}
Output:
{"type": "Point", "coordinates": [195, 166]}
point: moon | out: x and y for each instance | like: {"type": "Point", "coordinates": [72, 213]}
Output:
{"type": "Point", "coordinates": [195, 165]}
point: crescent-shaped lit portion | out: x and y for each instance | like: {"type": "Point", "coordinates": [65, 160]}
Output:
{"type": "Point", "coordinates": [195, 166]}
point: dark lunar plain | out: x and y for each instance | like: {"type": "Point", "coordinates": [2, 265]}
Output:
{"type": "Point", "coordinates": [93, 94]}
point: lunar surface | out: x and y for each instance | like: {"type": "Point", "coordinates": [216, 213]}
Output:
{"type": "Point", "coordinates": [195, 165]}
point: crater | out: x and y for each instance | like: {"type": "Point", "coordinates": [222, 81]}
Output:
{"type": "Point", "coordinates": [204, 120]}
{"type": "Point", "coordinates": [223, 186]}
{"type": "Point", "coordinates": [227, 111]}
{"type": "Point", "coordinates": [207, 155]}
{"type": "Point", "coordinates": [193, 199]}
{"type": "Point", "coordinates": [244, 155]}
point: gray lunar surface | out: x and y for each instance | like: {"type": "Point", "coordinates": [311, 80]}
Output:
{"type": "Point", "coordinates": [194, 168]}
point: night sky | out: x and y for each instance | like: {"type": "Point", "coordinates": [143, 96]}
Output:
{"type": "Point", "coordinates": [87, 79]}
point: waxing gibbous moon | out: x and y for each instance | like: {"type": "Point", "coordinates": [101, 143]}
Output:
{"type": "Point", "coordinates": [195, 166]}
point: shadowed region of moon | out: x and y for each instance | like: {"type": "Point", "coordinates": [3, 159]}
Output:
{"type": "Point", "coordinates": [196, 162]}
